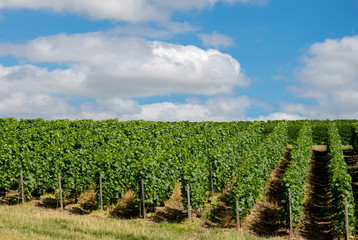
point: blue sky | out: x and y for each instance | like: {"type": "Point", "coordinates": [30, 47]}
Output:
{"type": "Point", "coordinates": [192, 60]}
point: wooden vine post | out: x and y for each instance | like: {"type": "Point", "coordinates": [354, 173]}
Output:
{"type": "Point", "coordinates": [238, 223]}
{"type": "Point", "coordinates": [189, 205]}
{"type": "Point", "coordinates": [60, 189]}
{"type": "Point", "coordinates": [143, 200]}
{"type": "Point", "coordinates": [290, 212]}
{"type": "Point", "coordinates": [347, 218]}
{"type": "Point", "coordinates": [211, 180]}
{"type": "Point", "coordinates": [100, 192]}
{"type": "Point", "coordinates": [22, 186]}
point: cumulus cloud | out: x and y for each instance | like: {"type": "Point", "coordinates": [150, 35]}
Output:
{"type": "Point", "coordinates": [102, 65]}
{"type": "Point", "coordinates": [120, 10]}
{"type": "Point", "coordinates": [329, 75]}
{"type": "Point", "coordinates": [330, 66]}
{"type": "Point", "coordinates": [216, 40]}
{"type": "Point", "coordinates": [110, 71]}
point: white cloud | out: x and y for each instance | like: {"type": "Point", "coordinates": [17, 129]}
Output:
{"type": "Point", "coordinates": [32, 79]}
{"type": "Point", "coordinates": [119, 106]}
{"type": "Point", "coordinates": [214, 109]}
{"type": "Point", "coordinates": [126, 10]}
{"type": "Point", "coordinates": [329, 75]}
{"type": "Point", "coordinates": [110, 68]}
{"type": "Point", "coordinates": [193, 100]}
{"type": "Point", "coordinates": [280, 116]}
{"type": "Point", "coordinates": [24, 105]}
{"type": "Point", "coordinates": [180, 27]}
{"type": "Point", "coordinates": [109, 71]}
{"type": "Point", "coordinates": [330, 66]}
{"type": "Point", "coordinates": [33, 105]}
{"type": "Point", "coordinates": [164, 31]}
{"type": "Point", "coordinates": [120, 10]}
{"type": "Point", "coordinates": [216, 40]}
{"type": "Point", "coordinates": [102, 65]}
{"type": "Point", "coordinates": [168, 111]}
{"type": "Point", "coordinates": [231, 108]}
{"type": "Point", "coordinates": [137, 30]}
{"type": "Point", "coordinates": [244, 79]}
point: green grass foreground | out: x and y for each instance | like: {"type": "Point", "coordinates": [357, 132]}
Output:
{"type": "Point", "coordinates": [29, 222]}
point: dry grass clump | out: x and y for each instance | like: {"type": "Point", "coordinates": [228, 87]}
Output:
{"type": "Point", "coordinates": [173, 210]}
{"type": "Point", "coordinates": [176, 196]}
{"type": "Point", "coordinates": [88, 199]}
{"type": "Point", "coordinates": [127, 205]}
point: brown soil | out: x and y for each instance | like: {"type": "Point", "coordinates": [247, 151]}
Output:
{"type": "Point", "coordinates": [316, 221]}
{"type": "Point", "coordinates": [351, 157]}
{"type": "Point", "coordinates": [263, 219]}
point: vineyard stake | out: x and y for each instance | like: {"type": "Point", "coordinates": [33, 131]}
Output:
{"type": "Point", "coordinates": [143, 200]}
{"type": "Point", "coordinates": [100, 192]}
{"type": "Point", "coordinates": [290, 211]}
{"type": "Point", "coordinates": [140, 208]}
{"type": "Point", "coordinates": [211, 180]}
{"type": "Point", "coordinates": [347, 222]}
{"type": "Point", "coordinates": [22, 187]}
{"type": "Point", "coordinates": [60, 188]}
{"type": "Point", "coordinates": [238, 223]}
{"type": "Point", "coordinates": [189, 205]}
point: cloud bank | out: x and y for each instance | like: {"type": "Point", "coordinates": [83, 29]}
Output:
{"type": "Point", "coordinates": [34, 105]}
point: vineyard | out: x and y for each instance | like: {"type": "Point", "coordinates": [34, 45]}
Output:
{"type": "Point", "coordinates": [205, 159]}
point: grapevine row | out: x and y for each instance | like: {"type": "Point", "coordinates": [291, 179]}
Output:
{"type": "Point", "coordinates": [251, 175]}
{"type": "Point", "coordinates": [294, 178]}
{"type": "Point", "coordinates": [341, 182]}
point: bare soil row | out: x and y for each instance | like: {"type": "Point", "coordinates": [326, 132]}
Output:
{"type": "Point", "coordinates": [316, 220]}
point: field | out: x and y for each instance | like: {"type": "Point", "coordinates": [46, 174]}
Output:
{"type": "Point", "coordinates": [162, 171]}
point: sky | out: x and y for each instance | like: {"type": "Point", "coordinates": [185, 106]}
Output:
{"type": "Point", "coordinates": [163, 60]}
